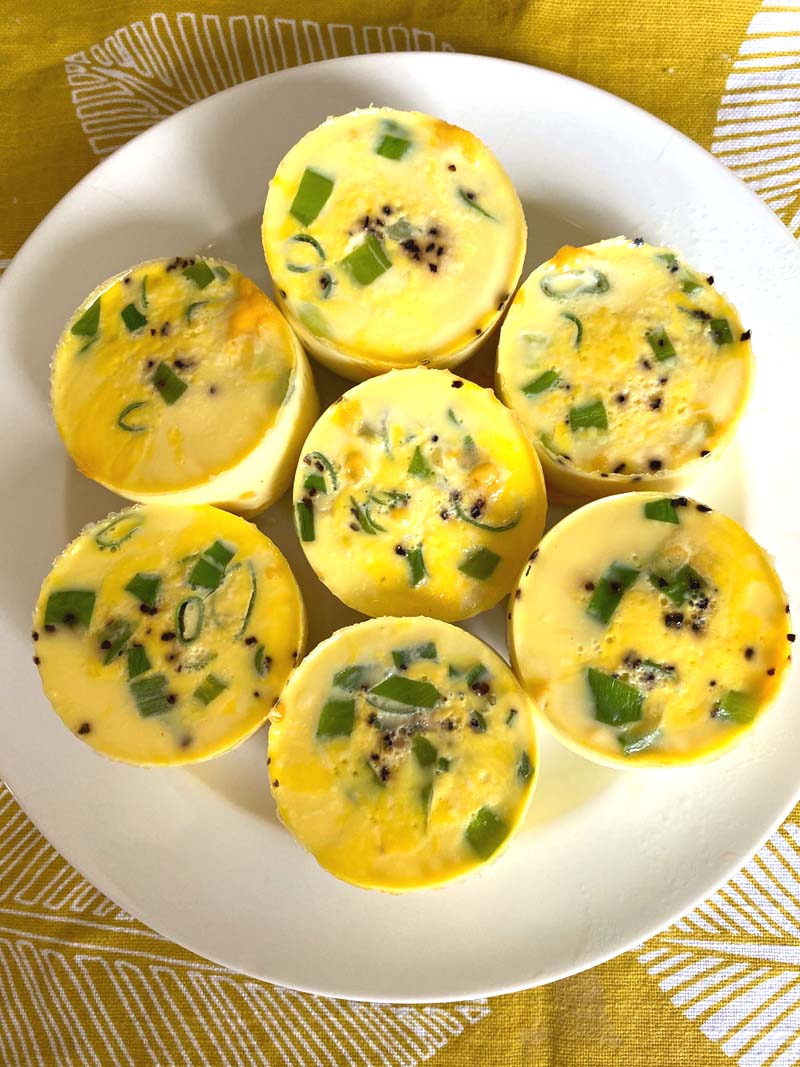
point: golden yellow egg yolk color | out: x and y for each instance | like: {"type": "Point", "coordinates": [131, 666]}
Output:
{"type": "Point", "coordinates": [390, 795]}
{"type": "Point", "coordinates": [185, 627]}
{"type": "Point", "coordinates": [650, 630]}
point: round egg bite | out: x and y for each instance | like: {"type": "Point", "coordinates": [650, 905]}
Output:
{"type": "Point", "coordinates": [418, 494]}
{"type": "Point", "coordinates": [179, 381]}
{"type": "Point", "coordinates": [650, 631]}
{"type": "Point", "coordinates": [164, 634]}
{"type": "Point", "coordinates": [626, 367]}
{"type": "Point", "coordinates": [392, 238]}
{"type": "Point", "coordinates": [402, 754]}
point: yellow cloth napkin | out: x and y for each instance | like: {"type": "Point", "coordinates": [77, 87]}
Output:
{"type": "Point", "coordinates": [81, 982]}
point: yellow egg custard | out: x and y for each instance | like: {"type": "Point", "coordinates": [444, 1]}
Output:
{"type": "Point", "coordinates": [393, 239]}
{"type": "Point", "coordinates": [650, 630]}
{"type": "Point", "coordinates": [626, 367]}
{"type": "Point", "coordinates": [179, 381]}
{"type": "Point", "coordinates": [418, 494]}
{"type": "Point", "coordinates": [164, 634]}
{"type": "Point", "coordinates": [402, 754]}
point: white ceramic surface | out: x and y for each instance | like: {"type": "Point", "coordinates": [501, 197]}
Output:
{"type": "Point", "coordinates": [605, 857]}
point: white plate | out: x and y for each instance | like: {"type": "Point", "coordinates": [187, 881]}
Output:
{"type": "Point", "coordinates": [604, 858]}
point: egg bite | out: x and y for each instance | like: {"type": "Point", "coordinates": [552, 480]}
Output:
{"type": "Point", "coordinates": [179, 381]}
{"type": "Point", "coordinates": [626, 367]}
{"type": "Point", "coordinates": [650, 631]}
{"type": "Point", "coordinates": [402, 754]}
{"type": "Point", "coordinates": [418, 494]}
{"type": "Point", "coordinates": [393, 239]}
{"type": "Point", "coordinates": [163, 634]}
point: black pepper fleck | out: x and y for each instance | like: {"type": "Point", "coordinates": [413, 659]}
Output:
{"type": "Point", "coordinates": [790, 637]}
{"type": "Point", "coordinates": [50, 628]}
{"type": "Point", "coordinates": [275, 783]}
{"type": "Point", "coordinates": [36, 660]}
{"type": "Point", "coordinates": [655, 403]}
{"type": "Point", "coordinates": [451, 166]}
{"type": "Point", "coordinates": [704, 508]}
{"type": "Point", "coordinates": [250, 640]}
{"type": "Point", "coordinates": [620, 398]}
{"type": "Point", "coordinates": [84, 728]}
{"type": "Point", "coordinates": [168, 635]}
{"type": "Point", "coordinates": [457, 384]}
{"type": "Point", "coordinates": [673, 620]}
{"type": "Point", "coordinates": [638, 241]}
{"type": "Point", "coordinates": [705, 453]}
{"type": "Point", "coordinates": [105, 644]}
{"type": "Point", "coordinates": [620, 467]}
{"type": "Point", "coordinates": [749, 652]}
{"type": "Point", "coordinates": [172, 699]}
{"type": "Point", "coordinates": [589, 587]}
{"type": "Point", "coordinates": [35, 636]}
{"type": "Point", "coordinates": [518, 594]}
{"type": "Point", "coordinates": [771, 671]}
{"type": "Point", "coordinates": [400, 550]}
{"type": "Point", "coordinates": [746, 335]}
{"type": "Point", "coordinates": [655, 464]}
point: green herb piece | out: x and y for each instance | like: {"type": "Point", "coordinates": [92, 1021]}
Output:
{"type": "Point", "coordinates": [351, 678]}
{"type": "Point", "coordinates": [168, 383]}
{"type": "Point", "coordinates": [631, 743]}
{"type": "Point", "coordinates": [337, 718]}
{"type": "Point", "coordinates": [524, 767]}
{"type": "Point", "coordinates": [251, 599]}
{"type": "Point", "coordinates": [423, 750]}
{"type": "Point", "coordinates": [311, 196]}
{"type": "Point", "coordinates": [470, 449]}
{"type": "Point", "coordinates": [129, 522]}
{"type": "Point", "coordinates": [87, 324]}
{"type": "Point", "coordinates": [144, 587]}
{"type": "Point", "coordinates": [470, 201]}
{"type": "Point", "coordinates": [116, 635]}
{"type": "Point", "coordinates": [476, 674]}
{"type": "Point", "coordinates": [609, 591]}
{"type": "Point", "coordinates": [261, 661]}
{"type": "Point", "coordinates": [312, 318]}
{"type": "Point", "coordinates": [576, 322]}
{"type": "Point", "coordinates": [479, 563]}
{"type": "Point", "coordinates": [200, 273]}
{"type": "Point", "coordinates": [453, 672]}
{"type": "Point", "coordinates": [416, 565]}
{"type": "Point", "coordinates": [306, 238]}
{"type": "Point", "coordinates": [133, 318]}
{"type": "Point", "coordinates": [591, 414]}
{"type": "Point", "coordinates": [511, 716]}
{"type": "Point", "coordinates": [403, 656]}
{"type": "Point", "coordinates": [304, 512]}
{"type": "Point", "coordinates": [592, 282]}
{"type": "Point", "coordinates": [222, 273]}
{"type": "Point", "coordinates": [138, 661]}
{"type": "Point", "coordinates": [196, 663]}
{"type": "Point", "coordinates": [661, 511]}
{"type": "Point", "coordinates": [659, 342]}
{"type": "Point", "coordinates": [678, 587]}
{"type": "Point", "coordinates": [615, 702]}
{"type": "Point", "coordinates": [486, 832]}
{"type": "Point", "coordinates": [209, 569]}
{"type": "Point", "coordinates": [189, 619]}
{"type": "Point", "coordinates": [123, 425]}
{"type": "Point", "coordinates": [426, 796]}
{"type": "Point", "coordinates": [316, 482]}
{"type": "Point", "coordinates": [368, 261]}
{"type": "Point", "coordinates": [443, 765]}
{"type": "Point", "coordinates": [456, 421]}
{"type": "Point", "coordinates": [541, 384]}
{"type": "Point", "coordinates": [492, 528]}
{"type": "Point", "coordinates": [737, 706]}
{"type": "Point", "coordinates": [477, 721]}
{"type": "Point", "coordinates": [668, 258]}
{"type": "Point", "coordinates": [688, 284]}
{"type": "Point", "coordinates": [364, 518]}
{"type": "Point", "coordinates": [210, 688]}
{"type": "Point", "coordinates": [192, 308]}
{"type": "Point", "coordinates": [721, 331]}
{"type": "Point", "coordinates": [400, 230]}
{"type": "Point", "coordinates": [320, 457]}
{"type": "Point", "coordinates": [418, 465]}
{"type": "Point", "coordinates": [407, 691]}
{"type": "Point", "coordinates": [150, 695]}
{"type": "Point", "coordinates": [69, 606]}
{"type": "Point", "coordinates": [392, 147]}
{"type": "Point", "coordinates": [143, 297]}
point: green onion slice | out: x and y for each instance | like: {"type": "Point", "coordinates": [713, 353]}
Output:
{"type": "Point", "coordinates": [337, 718]}
{"type": "Point", "coordinates": [320, 457]}
{"type": "Point", "coordinates": [368, 261]}
{"type": "Point", "coordinates": [117, 633]}
{"type": "Point", "coordinates": [133, 318]}
{"type": "Point", "coordinates": [304, 513]}
{"type": "Point", "coordinates": [486, 832]}
{"type": "Point", "coordinates": [189, 619]}
{"type": "Point", "coordinates": [419, 465]}
{"type": "Point", "coordinates": [118, 531]}
{"type": "Point", "coordinates": [631, 743]}
{"type": "Point", "coordinates": [222, 273]}
{"type": "Point", "coordinates": [456, 421]}
{"type": "Point", "coordinates": [524, 767]}
{"type": "Point", "coordinates": [721, 331]}
{"type": "Point", "coordinates": [123, 425]}
{"type": "Point", "coordinates": [737, 706]}
{"type": "Point", "coordinates": [659, 342]}
{"type": "Point", "coordinates": [209, 569]}
{"type": "Point", "coordinates": [591, 414]}
{"type": "Point", "coordinates": [400, 230]}
{"type": "Point", "coordinates": [479, 563]}
{"type": "Point", "coordinates": [192, 308]}
{"type": "Point", "coordinates": [683, 581]}
{"type": "Point", "coordinates": [477, 721]}
{"type": "Point", "coordinates": [443, 765]}
{"type": "Point", "coordinates": [306, 239]}
{"type": "Point", "coordinates": [661, 511]}
{"type": "Point", "coordinates": [689, 284]}
{"type": "Point", "coordinates": [576, 322]}
{"type": "Point", "coordinates": [144, 292]}
{"type": "Point", "coordinates": [541, 384]}
{"type": "Point", "coordinates": [511, 716]}
{"type": "Point", "coordinates": [392, 146]}
{"type": "Point", "coordinates": [138, 661]}
{"type": "Point", "coordinates": [210, 688]}
{"type": "Point", "coordinates": [615, 702]}
{"type": "Point", "coordinates": [562, 285]}
{"type": "Point", "coordinates": [364, 518]}
{"type": "Point", "coordinates": [476, 674]}
{"type": "Point", "coordinates": [150, 694]}
{"type": "Point", "coordinates": [609, 591]}
{"type": "Point", "coordinates": [403, 656]}
{"type": "Point", "coordinates": [351, 678]}
{"type": "Point", "coordinates": [470, 201]}
{"type": "Point", "coordinates": [200, 273]}
{"type": "Point", "coordinates": [668, 259]}
{"type": "Point", "coordinates": [481, 525]}
{"type": "Point", "coordinates": [70, 607]}
{"type": "Point", "coordinates": [87, 324]}
{"type": "Point", "coordinates": [426, 797]}
{"type": "Point", "coordinates": [145, 588]}
{"type": "Point", "coordinates": [261, 661]}
{"type": "Point", "coordinates": [316, 482]}
{"type": "Point", "coordinates": [423, 750]}
{"type": "Point", "coordinates": [407, 692]}
{"type": "Point", "coordinates": [311, 196]}
{"type": "Point", "coordinates": [168, 383]}
{"type": "Point", "coordinates": [416, 565]}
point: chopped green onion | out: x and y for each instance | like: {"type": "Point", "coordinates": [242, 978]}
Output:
{"type": "Point", "coordinates": [337, 719]}
{"type": "Point", "coordinates": [407, 691]}
{"type": "Point", "coordinates": [491, 527]}
{"type": "Point", "coordinates": [541, 384]}
{"type": "Point", "coordinates": [195, 307]}
{"type": "Point", "coordinates": [659, 342]}
{"type": "Point", "coordinates": [486, 832]}
{"type": "Point", "coordinates": [677, 589]}
{"type": "Point", "coordinates": [577, 324]}
{"type": "Point", "coordinates": [320, 457]}
{"type": "Point", "coordinates": [426, 796]}
{"type": "Point", "coordinates": [470, 201]}
{"type": "Point", "coordinates": [261, 661]}
{"type": "Point", "coordinates": [479, 563]}
{"type": "Point", "coordinates": [456, 421]}
{"type": "Point", "coordinates": [393, 147]}
{"type": "Point", "coordinates": [150, 695]}
{"type": "Point", "coordinates": [591, 414]}
{"type": "Point", "coordinates": [615, 702]}
{"type": "Point", "coordinates": [87, 324]}
{"type": "Point", "coordinates": [689, 284]}
{"type": "Point", "coordinates": [364, 518]}
{"type": "Point", "coordinates": [423, 750]}
{"type": "Point", "coordinates": [316, 482]}
{"type": "Point", "coordinates": [470, 449]}
{"type": "Point", "coordinates": [418, 465]}
{"type": "Point", "coordinates": [138, 661]}
{"type": "Point", "coordinates": [307, 239]}
{"type": "Point", "coordinates": [367, 262]}
{"type": "Point", "coordinates": [609, 591]}
{"type": "Point", "coordinates": [668, 258]}
{"type": "Point", "coordinates": [123, 425]}
{"type": "Point", "coordinates": [144, 587]}
{"type": "Point", "coordinates": [403, 656]}
{"type": "Point", "coordinates": [737, 706]}
{"type": "Point", "coordinates": [251, 600]}
{"type": "Point", "coordinates": [104, 540]}
{"type": "Point", "coordinates": [400, 230]}
{"type": "Point", "coordinates": [661, 511]}
{"type": "Point", "coordinates": [511, 716]}
{"type": "Point", "coordinates": [304, 512]}
{"type": "Point", "coordinates": [210, 688]}
{"type": "Point", "coordinates": [69, 606]}
{"type": "Point", "coordinates": [631, 743]}
{"type": "Point", "coordinates": [721, 331]}
{"type": "Point", "coordinates": [476, 674]}
{"type": "Point", "coordinates": [416, 565]}
{"type": "Point", "coordinates": [222, 273]}
{"type": "Point", "coordinates": [189, 619]}
{"type": "Point", "coordinates": [200, 273]}
{"type": "Point", "coordinates": [144, 292]}
{"type": "Point", "coordinates": [168, 383]}
{"type": "Point", "coordinates": [443, 765]}
{"type": "Point", "coordinates": [593, 282]}
{"type": "Point", "coordinates": [477, 721]}
{"type": "Point", "coordinates": [351, 678]}
{"type": "Point", "coordinates": [524, 767]}
{"type": "Point", "coordinates": [116, 635]}
{"type": "Point", "coordinates": [209, 569]}
{"type": "Point", "coordinates": [311, 196]}
{"type": "Point", "coordinates": [133, 318]}
{"type": "Point", "coordinates": [197, 662]}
